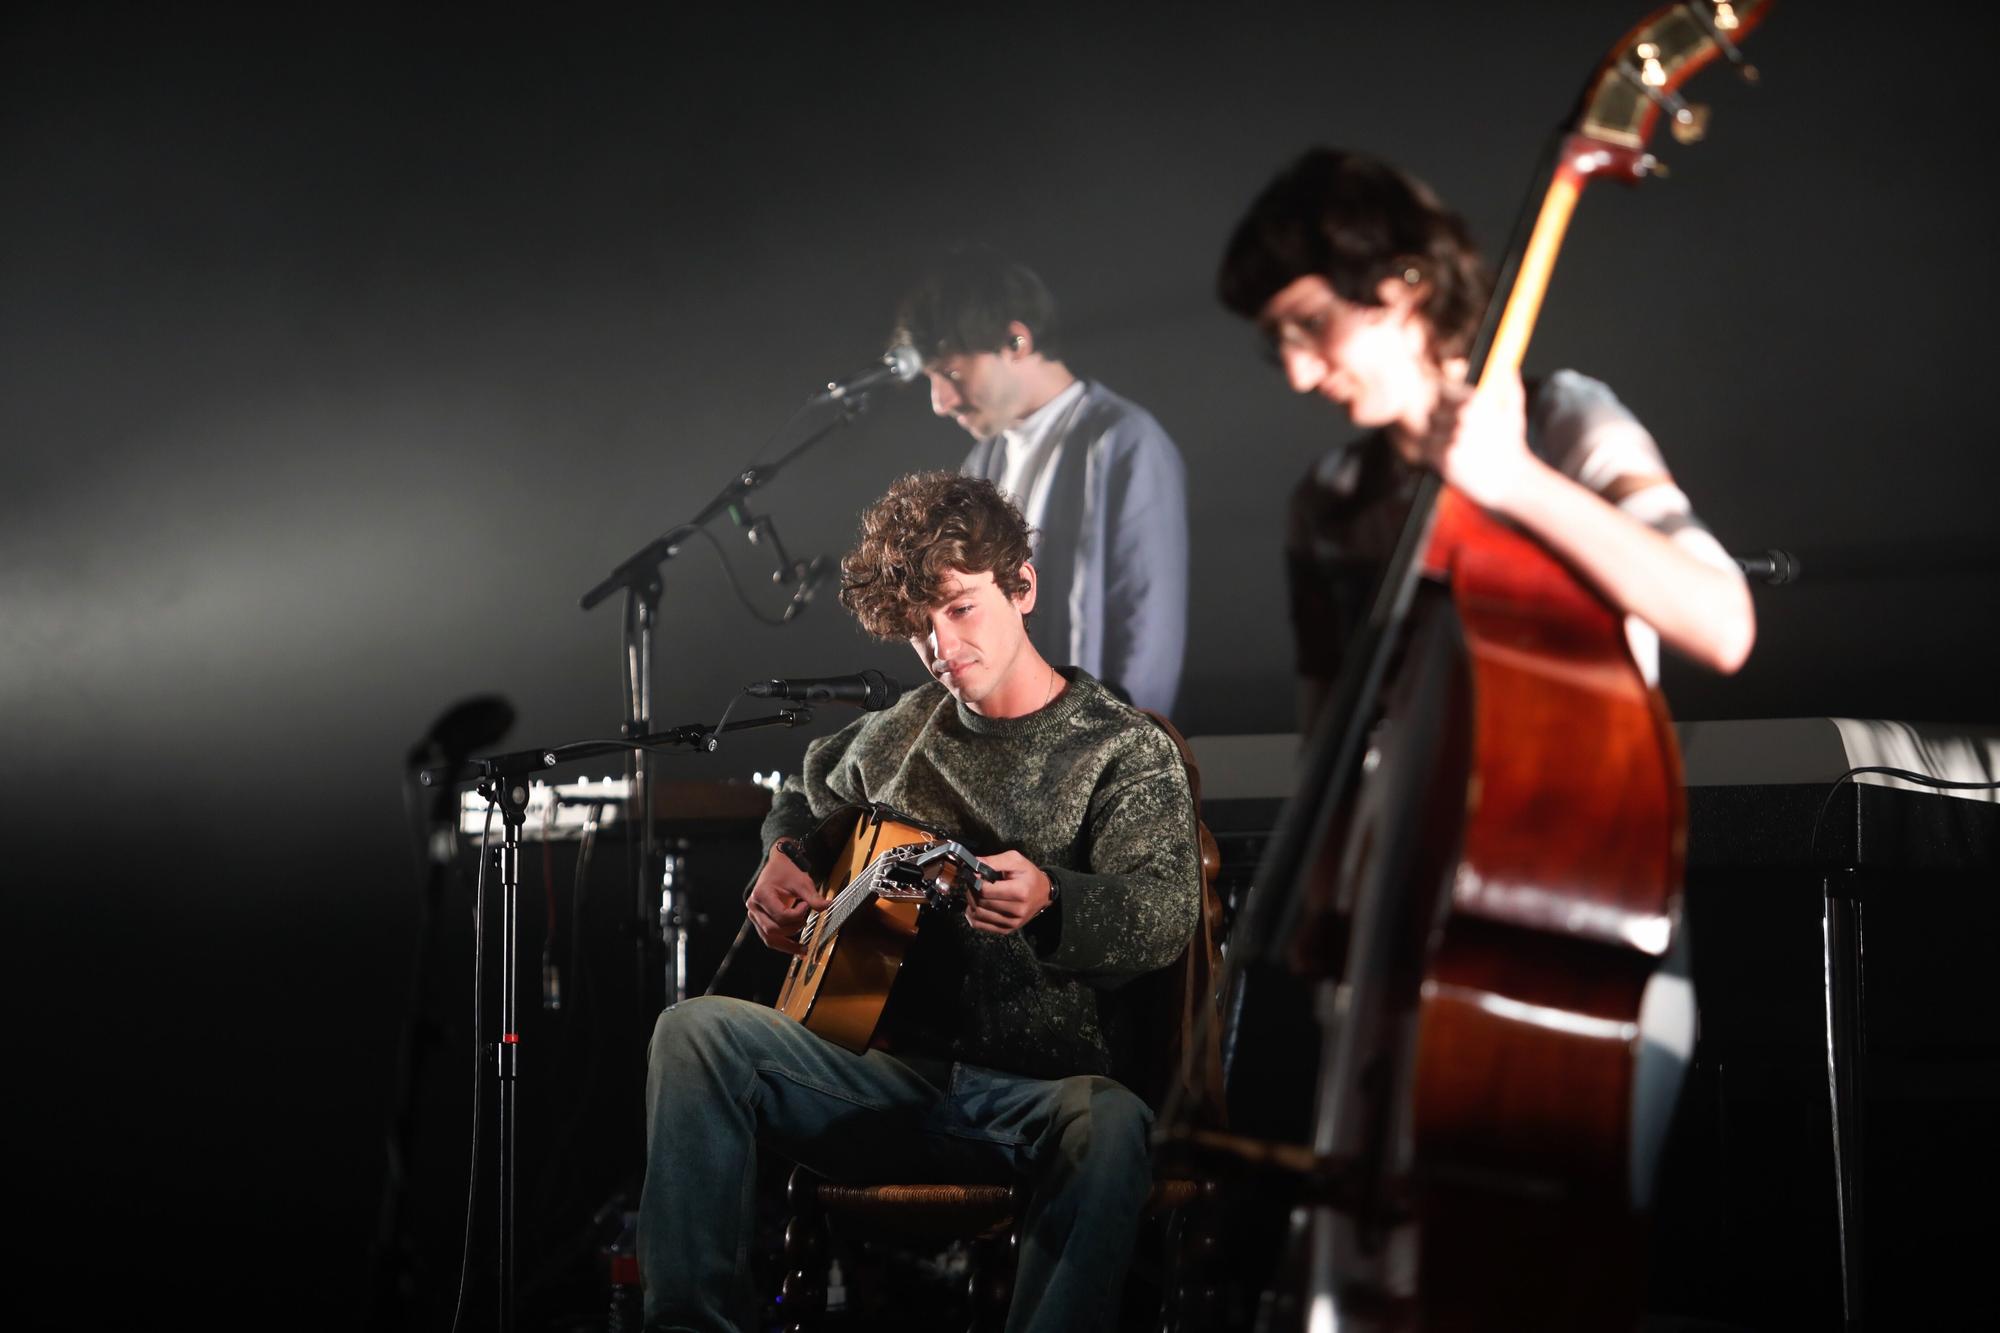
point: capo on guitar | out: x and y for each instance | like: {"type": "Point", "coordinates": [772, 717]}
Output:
{"type": "Point", "coordinates": [926, 868]}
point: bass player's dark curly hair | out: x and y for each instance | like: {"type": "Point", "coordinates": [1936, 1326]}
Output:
{"type": "Point", "coordinates": [1356, 220]}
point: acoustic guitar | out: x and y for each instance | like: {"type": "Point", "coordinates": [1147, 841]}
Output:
{"type": "Point", "coordinates": [887, 871]}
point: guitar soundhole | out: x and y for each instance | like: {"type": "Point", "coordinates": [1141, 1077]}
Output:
{"type": "Point", "coordinates": [814, 932]}
{"type": "Point", "coordinates": [821, 949]}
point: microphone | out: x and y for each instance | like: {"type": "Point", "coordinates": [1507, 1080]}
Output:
{"type": "Point", "coordinates": [870, 690]}
{"type": "Point", "coordinates": [809, 576]}
{"type": "Point", "coordinates": [900, 364]}
{"type": "Point", "coordinates": [1774, 567]}
{"type": "Point", "coordinates": [470, 724]}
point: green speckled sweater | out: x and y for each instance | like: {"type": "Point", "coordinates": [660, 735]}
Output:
{"type": "Point", "coordinates": [1088, 789]}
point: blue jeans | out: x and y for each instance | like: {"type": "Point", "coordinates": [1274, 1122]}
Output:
{"type": "Point", "coordinates": [725, 1075]}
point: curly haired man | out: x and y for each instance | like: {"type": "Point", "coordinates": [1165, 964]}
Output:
{"type": "Point", "coordinates": [1012, 1039]}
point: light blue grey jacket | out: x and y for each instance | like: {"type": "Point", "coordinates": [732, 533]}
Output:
{"type": "Point", "coordinates": [1112, 549]}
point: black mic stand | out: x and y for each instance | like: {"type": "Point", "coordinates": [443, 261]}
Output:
{"type": "Point", "coordinates": [639, 576]}
{"type": "Point", "coordinates": [503, 780]}
{"type": "Point", "coordinates": [469, 724]}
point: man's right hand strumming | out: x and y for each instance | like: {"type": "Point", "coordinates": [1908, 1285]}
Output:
{"type": "Point", "coordinates": [779, 901]}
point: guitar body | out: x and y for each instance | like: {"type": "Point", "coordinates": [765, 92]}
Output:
{"type": "Point", "coordinates": [840, 986]}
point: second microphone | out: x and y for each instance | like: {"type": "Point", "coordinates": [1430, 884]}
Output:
{"type": "Point", "coordinates": [869, 690]}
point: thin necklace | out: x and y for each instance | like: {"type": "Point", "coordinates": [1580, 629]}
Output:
{"type": "Point", "coordinates": [1054, 676]}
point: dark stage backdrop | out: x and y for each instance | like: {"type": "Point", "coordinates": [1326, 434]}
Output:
{"type": "Point", "coordinates": [341, 353]}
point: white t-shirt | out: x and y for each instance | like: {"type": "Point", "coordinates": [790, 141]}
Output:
{"type": "Point", "coordinates": [1031, 450]}
{"type": "Point", "coordinates": [1577, 426]}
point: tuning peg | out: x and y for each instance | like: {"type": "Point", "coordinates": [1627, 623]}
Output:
{"type": "Point", "coordinates": [1718, 18]}
{"type": "Point", "coordinates": [1645, 72]}
{"type": "Point", "coordinates": [1689, 123]}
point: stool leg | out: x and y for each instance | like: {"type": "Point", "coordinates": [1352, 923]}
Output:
{"type": "Point", "coordinates": [1194, 1301]}
{"type": "Point", "coordinates": [991, 1288]}
{"type": "Point", "coordinates": [802, 1295]}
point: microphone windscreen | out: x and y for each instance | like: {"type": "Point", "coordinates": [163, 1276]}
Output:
{"type": "Point", "coordinates": [470, 724]}
{"type": "Point", "coordinates": [882, 690]}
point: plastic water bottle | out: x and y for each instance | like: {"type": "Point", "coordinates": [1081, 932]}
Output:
{"type": "Point", "coordinates": [836, 1290]}
{"type": "Point", "coordinates": [628, 1306]}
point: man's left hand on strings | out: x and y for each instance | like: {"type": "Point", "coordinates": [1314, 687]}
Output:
{"type": "Point", "coordinates": [1012, 901]}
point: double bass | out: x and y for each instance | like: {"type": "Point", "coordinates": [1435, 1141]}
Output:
{"type": "Point", "coordinates": [1476, 875]}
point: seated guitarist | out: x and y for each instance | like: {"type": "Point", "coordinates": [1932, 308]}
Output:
{"type": "Point", "coordinates": [1001, 1051]}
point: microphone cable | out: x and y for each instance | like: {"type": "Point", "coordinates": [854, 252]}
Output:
{"type": "Point", "coordinates": [478, 1061]}
{"type": "Point", "coordinates": [736, 585]}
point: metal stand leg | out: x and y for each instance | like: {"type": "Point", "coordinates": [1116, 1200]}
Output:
{"type": "Point", "coordinates": [673, 921]}
{"type": "Point", "coordinates": [1845, 1042]}
{"type": "Point", "coordinates": [510, 792]}
{"type": "Point", "coordinates": [641, 613]}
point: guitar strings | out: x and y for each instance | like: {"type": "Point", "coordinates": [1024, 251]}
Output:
{"type": "Point", "coordinates": [846, 902]}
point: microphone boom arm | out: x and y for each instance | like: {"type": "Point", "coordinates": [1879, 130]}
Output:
{"type": "Point", "coordinates": [698, 736]}
{"type": "Point", "coordinates": [640, 570]}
